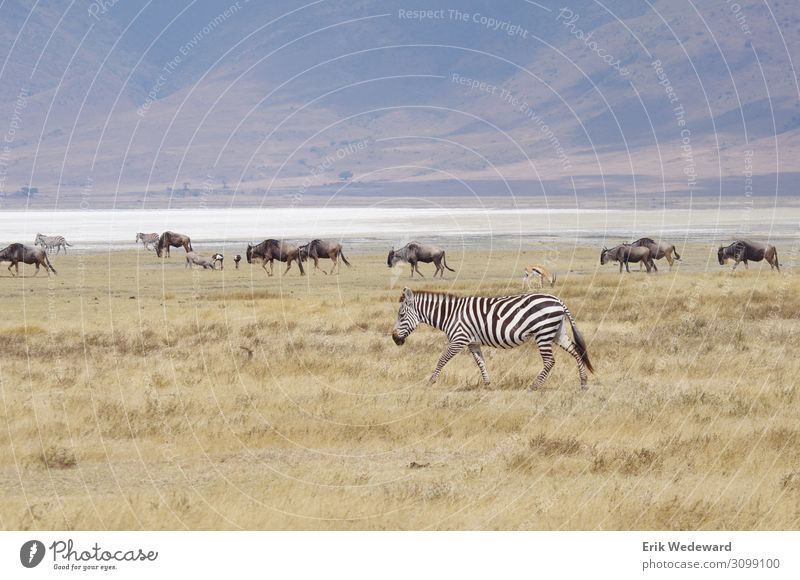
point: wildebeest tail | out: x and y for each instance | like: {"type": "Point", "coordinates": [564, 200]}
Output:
{"type": "Point", "coordinates": [580, 344]}
{"type": "Point", "coordinates": [675, 251]}
{"type": "Point", "coordinates": [341, 255]}
{"type": "Point", "coordinates": [49, 265]}
{"type": "Point", "coordinates": [444, 262]}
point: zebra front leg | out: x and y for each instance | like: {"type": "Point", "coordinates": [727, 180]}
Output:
{"type": "Point", "coordinates": [546, 350]}
{"type": "Point", "coordinates": [478, 356]}
{"type": "Point", "coordinates": [453, 348]}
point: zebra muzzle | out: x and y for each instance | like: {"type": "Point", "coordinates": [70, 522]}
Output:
{"type": "Point", "coordinates": [398, 340]}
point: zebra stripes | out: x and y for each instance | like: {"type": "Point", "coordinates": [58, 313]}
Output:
{"type": "Point", "coordinates": [147, 239]}
{"type": "Point", "coordinates": [502, 322]}
{"type": "Point", "coordinates": [50, 242]}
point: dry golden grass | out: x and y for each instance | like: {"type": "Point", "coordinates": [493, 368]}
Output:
{"type": "Point", "coordinates": [129, 401]}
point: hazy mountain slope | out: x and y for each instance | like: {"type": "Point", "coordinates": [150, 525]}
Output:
{"type": "Point", "coordinates": [143, 95]}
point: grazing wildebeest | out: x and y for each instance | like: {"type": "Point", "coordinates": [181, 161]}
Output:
{"type": "Point", "coordinates": [538, 272]}
{"type": "Point", "coordinates": [236, 259]}
{"type": "Point", "coordinates": [745, 250]}
{"type": "Point", "coordinates": [171, 239]}
{"type": "Point", "coordinates": [317, 249]}
{"type": "Point", "coordinates": [626, 253]}
{"type": "Point", "coordinates": [414, 252]}
{"type": "Point", "coordinates": [218, 258]}
{"type": "Point", "coordinates": [270, 250]}
{"type": "Point", "coordinates": [147, 240]}
{"type": "Point", "coordinates": [659, 249]}
{"type": "Point", "coordinates": [502, 322]}
{"type": "Point", "coordinates": [16, 253]}
{"type": "Point", "coordinates": [50, 242]}
{"type": "Point", "coordinates": [193, 259]}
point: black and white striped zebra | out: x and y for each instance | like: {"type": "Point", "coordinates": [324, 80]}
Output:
{"type": "Point", "coordinates": [502, 322]}
{"type": "Point", "coordinates": [147, 239]}
{"type": "Point", "coordinates": [50, 242]}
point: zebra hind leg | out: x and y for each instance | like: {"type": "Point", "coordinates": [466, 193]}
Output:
{"type": "Point", "coordinates": [546, 350]}
{"type": "Point", "coordinates": [478, 356]}
{"type": "Point", "coordinates": [564, 341]}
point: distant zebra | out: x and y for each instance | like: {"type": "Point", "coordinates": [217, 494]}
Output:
{"type": "Point", "coordinates": [501, 322]}
{"type": "Point", "coordinates": [147, 239]}
{"type": "Point", "coordinates": [50, 242]}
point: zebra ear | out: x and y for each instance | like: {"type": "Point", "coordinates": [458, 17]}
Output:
{"type": "Point", "coordinates": [408, 294]}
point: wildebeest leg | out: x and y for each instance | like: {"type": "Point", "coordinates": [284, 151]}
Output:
{"type": "Point", "coordinates": [11, 265]}
{"type": "Point", "coordinates": [37, 270]}
{"type": "Point", "coordinates": [416, 267]}
{"type": "Point", "coordinates": [546, 350]}
{"type": "Point", "coordinates": [264, 265]}
{"type": "Point", "coordinates": [653, 264]}
{"type": "Point", "coordinates": [478, 356]}
{"type": "Point", "coordinates": [453, 348]}
{"type": "Point", "coordinates": [288, 265]}
{"type": "Point", "coordinates": [746, 267]}
{"type": "Point", "coordinates": [627, 269]}
{"type": "Point", "coordinates": [564, 341]}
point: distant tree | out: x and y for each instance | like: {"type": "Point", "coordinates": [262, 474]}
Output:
{"type": "Point", "coordinates": [29, 191]}
{"type": "Point", "coordinates": [346, 175]}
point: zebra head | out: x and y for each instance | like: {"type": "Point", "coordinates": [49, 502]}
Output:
{"type": "Point", "coordinates": [407, 317]}
{"type": "Point", "coordinates": [39, 240]}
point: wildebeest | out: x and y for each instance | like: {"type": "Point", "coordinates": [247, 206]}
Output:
{"type": "Point", "coordinates": [538, 272]}
{"type": "Point", "coordinates": [270, 250]}
{"type": "Point", "coordinates": [16, 253]}
{"type": "Point", "coordinates": [236, 259]}
{"type": "Point", "coordinates": [626, 253]}
{"type": "Point", "coordinates": [659, 249]}
{"type": "Point", "coordinates": [317, 249]}
{"type": "Point", "coordinates": [745, 250]}
{"type": "Point", "coordinates": [147, 240]}
{"type": "Point", "coordinates": [171, 239]}
{"type": "Point", "coordinates": [218, 258]}
{"type": "Point", "coordinates": [50, 242]}
{"type": "Point", "coordinates": [414, 252]}
{"type": "Point", "coordinates": [193, 259]}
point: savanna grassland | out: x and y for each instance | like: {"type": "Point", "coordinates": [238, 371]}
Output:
{"type": "Point", "coordinates": [136, 395]}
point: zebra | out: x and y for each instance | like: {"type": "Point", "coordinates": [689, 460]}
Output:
{"type": "Point", "coordinates": [50, 242]}
{"type": "Point", "coordinates": [501, 322]}
{"type": "Point", "coordinates": [147, 239]}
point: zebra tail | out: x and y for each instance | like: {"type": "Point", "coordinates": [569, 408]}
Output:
{"type": "Point", "coordinates": [444, 261]}
{"type": "Point", "coordinates": [580, 343]}
{"type": "Point", "coordinates": [67, 243]}
{"type": "Point", "coordinates": [341, 255]}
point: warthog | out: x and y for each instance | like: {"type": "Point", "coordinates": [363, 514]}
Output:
{"type": "Point", "coordinates": [270, 250]}
{"type": "Point", "coordinates": [625, 254]}
{"type": "Point", "coordinates": [745, 250]}
{"type": "Point", "coordinates": [193, 259]}
{"type": "Point", "coordinates": [317, 249]}
{"type": "Point", "coordinates": [540, 273]}
{"type": "Point", "coordinates": [171, 239]}
{"type": "Point", "coordinates": [16, 253]}
{"type": "Point", "coordinates": [414, 252]}
{"type": "Point", "coordinates": [659, 249]}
